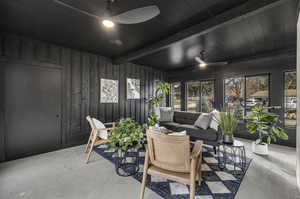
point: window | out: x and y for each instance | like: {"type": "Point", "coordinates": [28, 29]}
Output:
{"type": "Point", "coordinates": [290, 99]}
{"type": "Point", "coordinates": [193, 96]}
{"type": "Point", "coordinates": [242, 93]}
{"type": "Point", "coordinates": [200, 96]}
{"type": "Point", "coordinates": [257, 91]}
{"type": "Point", "coordinates": [207, 96]}
{"type": "Point", "coordinates": [234, 94]}
{"type": "Point", "coordinates": [176, 96]}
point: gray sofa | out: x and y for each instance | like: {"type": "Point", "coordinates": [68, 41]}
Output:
{"type": "Point", "coordinates": [185, 121]}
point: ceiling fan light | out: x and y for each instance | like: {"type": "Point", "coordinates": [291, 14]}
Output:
{"type": "Point", "coordinates": [202, 65]}
{"type": "Point", "coordinates": [108, 23]}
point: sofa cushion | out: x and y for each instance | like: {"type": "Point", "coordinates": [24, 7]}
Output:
{"type": "Point", "coordinates": [183, 117]}
{"type": "Point", "coordinates": [196, 133]}
{"type": "Point", "coordinates": [203, 121]}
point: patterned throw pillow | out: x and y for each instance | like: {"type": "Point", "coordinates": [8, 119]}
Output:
{"type": "Point", "coordinates": [203, 121]}
{"type": "Point", "coordinates": [166, 114]}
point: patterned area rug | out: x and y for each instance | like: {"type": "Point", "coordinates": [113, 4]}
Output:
{"type": "Point", "coordinates": [217, 183]}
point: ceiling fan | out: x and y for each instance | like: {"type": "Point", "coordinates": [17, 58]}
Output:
{"type": "Point", "coordinates": [203, 64]}
{"type": "Point", "coordinates": [109, 20]}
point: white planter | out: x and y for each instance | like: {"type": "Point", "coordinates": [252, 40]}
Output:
{"type": "Point", "coordinates": [261, 149]}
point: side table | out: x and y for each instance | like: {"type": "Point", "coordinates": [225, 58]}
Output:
{"type": "Point", "coordinates": [234, 153]}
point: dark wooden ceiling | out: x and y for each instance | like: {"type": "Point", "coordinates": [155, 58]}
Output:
{"type": "Point", "coordinates": [268, 30]}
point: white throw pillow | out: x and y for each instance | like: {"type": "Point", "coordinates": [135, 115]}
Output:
{"type": "Point", "coordinates": [203, 121]}
{"type": "Point", "coordinates": [181, 133]}
{"type": "Point", "coordinates": [103, 134]}
{"type": "Point", "coordinates": [214, 124]}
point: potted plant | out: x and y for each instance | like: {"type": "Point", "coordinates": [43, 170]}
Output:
{"type": "Point", "coordinates": [162, 89]}
{"type": "Point", "coordinates": [266, 125]}
{"type": "Point", "coordinates": [127, 135]}
{"type": "Point", "coordinates": [228, 122]}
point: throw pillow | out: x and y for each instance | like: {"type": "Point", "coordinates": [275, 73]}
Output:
{"type": "Point", "coordinates": [203, 121]}
{"type": "Point", "coordinates": [166, 114]}
{"type": "Point", "coordinates": [99, 125]}
{"type": "Point", "coordinates": [215, 119]}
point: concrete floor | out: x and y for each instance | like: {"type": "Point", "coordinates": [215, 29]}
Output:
{"type": "Point", "coordinates": [63, 174]}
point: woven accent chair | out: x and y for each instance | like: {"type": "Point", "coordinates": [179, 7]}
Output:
{"type": "Point", "coordinates": [99, 134]}
{"type": "Point", "coordinates": [169, 156]}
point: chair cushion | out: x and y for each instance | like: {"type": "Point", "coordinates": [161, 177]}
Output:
{"type": "Point", "coordinates": [166, 114]}
{"type": "Point", "coordinates": [103, 134]}
{"type": "Point", "coordinates": [203, 121]}
{"type": "Point", "coordinates": [181, 133]}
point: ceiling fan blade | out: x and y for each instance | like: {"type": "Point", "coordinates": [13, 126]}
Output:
{"type": "Point", "coordinates": [217, 63]}
{"type": "Point", "coordinates": [199, 60]}
{"type": "Point", "coordinates": [76, 9]}
{"type": "Point", "coordinates": [138, 15]}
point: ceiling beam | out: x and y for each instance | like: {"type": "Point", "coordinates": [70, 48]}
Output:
{"type": "Point", "coordinates": [236, 14]}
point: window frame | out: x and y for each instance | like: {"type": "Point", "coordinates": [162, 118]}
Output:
{"type": "Point", "coordinates": [171, 95]}
{"type": "Point", "coordinates": [283, 99]}
{"type": "Point", "coordinates": [244, 78]}
{"type": "Point", "coordinates": [200, 81]}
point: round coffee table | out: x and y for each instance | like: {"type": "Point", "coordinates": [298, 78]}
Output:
{"type": "Point", "coordinates": [234, 153]}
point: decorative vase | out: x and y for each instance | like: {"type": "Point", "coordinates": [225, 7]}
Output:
{"type": "Point", "coordinates": [260, 149]}
{"type": "Point", "coordinates": [228, 139]}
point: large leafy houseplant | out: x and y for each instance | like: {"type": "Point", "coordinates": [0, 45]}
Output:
{"type": "Point", "coordinates": [266, 124]}
{"type": "Point", "coordinates": [126, 134]}
{"type": "Point", "coordinates": [228, 122]}
{"type": "Point", "coordinates": [162, 89]}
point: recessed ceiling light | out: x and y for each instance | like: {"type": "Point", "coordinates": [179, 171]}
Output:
{"type": "Point", "coordinates": [108, 23]}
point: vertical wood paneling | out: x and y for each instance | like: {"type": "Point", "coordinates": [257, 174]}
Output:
{"type": "Point", "coordinates": [122, 91]}
{"type": "Point", "coordinates": [67, 96]}
{"type": "Point", "coordinates": [76, 93]}
{"type": "Point", "coordinates": [27, 52]}
{"type": "Point", "coordinates": [54, 53]}
{"type": "Point", "coordinates": [116, 105]}
{"type": "Point", "coordinates": [101, 68]}
{"type": "Point", "coordinates": [41, 51]}
{"type": "Point", "coordinates": [12, 46]}
{"type": "Point", "coordinates": [81, 84]}
{"type": "Point", "coordinates": [85, 94]}
{"type": "Point", "coordinates": [2, 135]}
{"type": "Point", "coordinates": [94, 86]}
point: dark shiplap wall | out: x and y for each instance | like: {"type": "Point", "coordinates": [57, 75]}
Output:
{"type": "Point", "coordinates": [81, 83]}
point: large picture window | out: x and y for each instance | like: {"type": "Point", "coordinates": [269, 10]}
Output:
{"type": "Point", "coordinates": [234, 94]}
{"type": "Point", "coordinates": [242, 93]}
{"type": "Point", "coordinates": [290, 99]}
{"type": "Point", "coordinates": [176, 96]}
{"type": "Point", "coordinates": [200, 96]}
{"type": "Point", "coordinates": [257, 91]}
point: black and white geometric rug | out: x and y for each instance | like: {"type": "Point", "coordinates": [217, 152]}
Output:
{"type": "Point", "coordinates": [217, 183]}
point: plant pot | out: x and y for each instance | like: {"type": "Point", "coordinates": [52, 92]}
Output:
{"type": "Point", "coordinates": [260, 149]}
{"type": "Point", "coordinates": [228, 139]}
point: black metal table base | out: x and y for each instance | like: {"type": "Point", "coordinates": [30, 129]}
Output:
{"type": "Point", "coordinates": [127, 163]}
{"type": "Point", "coordinates": [238, 157]}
